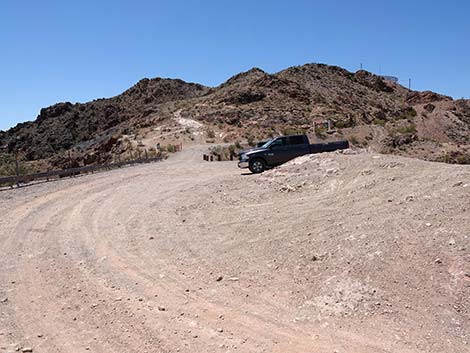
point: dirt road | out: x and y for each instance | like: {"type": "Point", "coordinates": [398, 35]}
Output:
{"type": "Point", "coordinates": [333, 253]}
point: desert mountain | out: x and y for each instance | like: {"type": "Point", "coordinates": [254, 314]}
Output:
{"type": "Point", "coordinates": [66, 125]}
{"type": "Point", "coordinates": [365, 108]}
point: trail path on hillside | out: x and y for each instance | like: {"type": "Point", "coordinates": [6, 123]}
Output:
{"type": "Point", "coordinates": [188, 256]}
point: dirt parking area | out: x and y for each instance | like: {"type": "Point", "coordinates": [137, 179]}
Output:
{"type": "Point", "coordinates": [338, 252]}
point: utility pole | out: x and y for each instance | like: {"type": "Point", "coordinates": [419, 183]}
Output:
{"type": "Point", "coordinates": [361, 66]}
{"type": "Point", "coordinates": [409, 84]}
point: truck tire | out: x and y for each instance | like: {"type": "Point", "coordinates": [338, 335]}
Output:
{"type": "Point", "coordinates": [257, 165]}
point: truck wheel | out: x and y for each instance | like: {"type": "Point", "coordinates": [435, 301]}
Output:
{"type": "Point", "coordinates": [257, 166]}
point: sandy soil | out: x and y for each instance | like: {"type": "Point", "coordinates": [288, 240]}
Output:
{"type": "Point", "coordinates": [356, 253]}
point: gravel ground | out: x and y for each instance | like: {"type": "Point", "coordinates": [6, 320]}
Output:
{"type": "Point", "coordinates": [338, 252]}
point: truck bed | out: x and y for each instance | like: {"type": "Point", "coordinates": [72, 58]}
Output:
{"type": "Point", "coordinates": [328, 146]}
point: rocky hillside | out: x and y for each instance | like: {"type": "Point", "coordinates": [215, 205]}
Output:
{"type": "Point", "coordinates": [66, 125]}
{"type": "Point", "coordinates": [299, 96]}
{"type": "Point", "coordinates": [368, 110]}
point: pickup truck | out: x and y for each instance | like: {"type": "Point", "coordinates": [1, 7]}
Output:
{"type": "Point", "coordinates": [282, 149]}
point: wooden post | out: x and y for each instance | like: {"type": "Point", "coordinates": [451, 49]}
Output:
{"type": "Point", "coordinates": [146, 155]}
{"type": "Point", "coordinates": [70, 164]}
{"type": "Point", "coordinates": [17, 169]}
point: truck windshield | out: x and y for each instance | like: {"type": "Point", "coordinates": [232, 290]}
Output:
{"type": "Point", "coordinates": [267, 143]}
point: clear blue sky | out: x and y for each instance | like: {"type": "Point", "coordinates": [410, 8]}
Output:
{"type": "Point", "coordinates": [58, 50]}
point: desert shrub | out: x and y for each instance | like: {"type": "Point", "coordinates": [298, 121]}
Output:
{"type": "Point", "coordinates": [216, 150]}
{"type": "Point", "coordinates": [353, 140]}
{"type": "Point", "coordinates": [251, 141]}
{"type": "Point", "coordinates": [343, 124]}
{"type": "Point", "coordinates": [412, 112]}
{"type": "Point", "coordinates": [320, 131]}
{"type": "Point", "coordinates": [408, 113]}
{"type": "Point", "coordinates": [344, 121]}
{"type": "Point", "coordinates": [292, 131]}
{"type": "Point", "coordinates": [223, 153]}
{"type": "Point", "coordinates": [409, 129]}
{"type": "Point", "coordinates": [8, 166]}
{"type": "Point", "coordinates": [445, 158]}
{"type": "Point", "coordinates": [210, 133]}
{"type": "Point", "coordinates": [380, 122]}
{"type": "Point", "coordinates": [454, 157]}
{"type": "Point", "coordinates": [463, 159]}
{"type": "Point", "coordinates": [152, 153]}
{"type": "Point", "coordinates": [288, 131]}
{"type": "Point", "coordinates": [238, 145]}
{"type": "Point", "coordinates": [170, 148]}
{"type": "Point", "coordinates": [140, 153]}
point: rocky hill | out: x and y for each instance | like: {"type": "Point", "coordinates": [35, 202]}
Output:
{"type": "Point", "coordinates": [363, 107]}
{"type": "Point", "coordinates": [66, 125]}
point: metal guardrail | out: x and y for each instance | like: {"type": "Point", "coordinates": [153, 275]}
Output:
{"type": "Point", "coordinates": [12, 180]}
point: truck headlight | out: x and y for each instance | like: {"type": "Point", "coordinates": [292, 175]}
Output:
{"type": "Point", "coordinates": [244, 157]}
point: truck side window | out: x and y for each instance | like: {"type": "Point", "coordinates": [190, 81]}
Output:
{"type": "Point", "coordinates": [279, 143]}
{"type": "Point", "coordinates": [296, 140]}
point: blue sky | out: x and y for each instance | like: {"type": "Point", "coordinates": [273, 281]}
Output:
{"type": "Point", "coordinates": [52, 51]}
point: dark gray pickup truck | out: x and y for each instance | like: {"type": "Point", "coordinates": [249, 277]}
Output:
{"type": "Point", "coordinates": [282, 149]}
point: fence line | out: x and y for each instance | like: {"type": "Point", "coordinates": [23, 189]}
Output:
{"type": "Point", "coordinates": [11, 180]}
